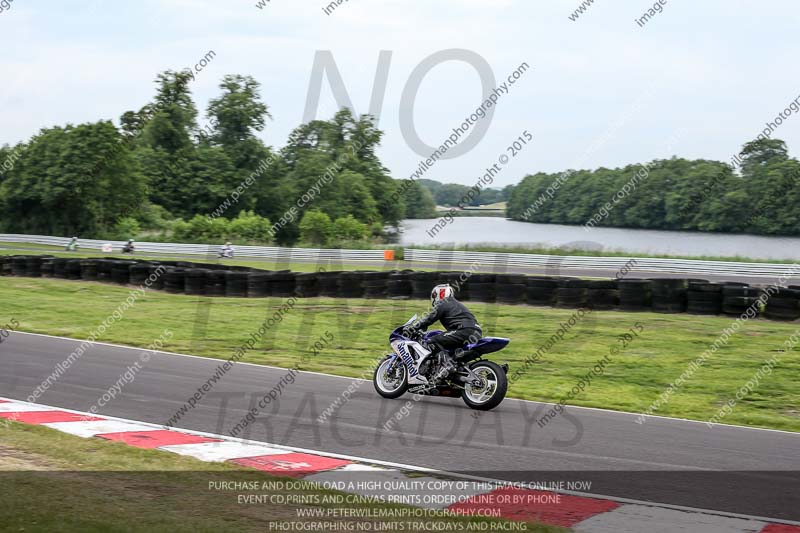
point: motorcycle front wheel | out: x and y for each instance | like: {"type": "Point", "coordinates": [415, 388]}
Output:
{"type": "Point", "coordinates": [391, 378]}
{"type": "Point", "coordinates": [492, 389]}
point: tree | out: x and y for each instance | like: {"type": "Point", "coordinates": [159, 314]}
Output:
{"type": "Point", "coordinates": [316, 228]}
{"type": "Point", "coordinates": [73, 180]}
{"type": "Point", "coordinates": [450, 194]}
{"type": "Point", "coordinates": [349, 229]}
{"type": "Point", "coordinates": [418, 200]}
{"type": "Point", "coordinates": [237, 115]}
{"type": "Point", "coordinates": [172, 117]}
{"type": "Point", "coordinates": [250, 227]}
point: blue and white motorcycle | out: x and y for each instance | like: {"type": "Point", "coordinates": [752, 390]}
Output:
{"type": "Point", "coordinates": [412, 367]}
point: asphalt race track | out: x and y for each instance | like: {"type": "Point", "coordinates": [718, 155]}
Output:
{"type": "Point", "coordinates": [730, 469]}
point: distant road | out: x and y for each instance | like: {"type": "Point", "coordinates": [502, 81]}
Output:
{"type": "Point", "coordinates": [583, 272]}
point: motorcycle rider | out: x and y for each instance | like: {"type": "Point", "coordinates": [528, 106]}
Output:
{"type": "Point", "coordinates": [460, 323]}
{"type": "Point", "coordinates": [226, 251]}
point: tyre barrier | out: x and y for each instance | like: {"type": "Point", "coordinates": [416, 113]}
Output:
{"type": "Point", "coordinates": [89, 269]}
{"type": "Point", "coordinates": [307, 284]}
{"type": "Point", "coordinates": [510, 288]}
{"type": "Point", "coordinates": [541, 291]}
{"type": "Point", "coordinates": [398, 286]}
{"type": "Point", "coordinates": [19, 265]}
{"type": "Point", "coordinates": [121, 272]}
{"type": "Point", "coordinates": [235, 284]}
{"type": "Point", "coordinates": [48, 267]}
{"type": "Point", "coordinates": [783, 305]}
{"type": "Point", "coordinates": [157, 276]}
{"type": "Point", "coordinates": [738, 297]}
{"type": "Point", "coordinates": [328, 284]}
{"type": "Point", "coordinates": [421, 284]}
{"type": "Point", "coordinates": [602, 294]}
{"type": "Point", "coordinates": [259, 284]}
{"type": "Point", "coordinates": [59, 268]}
{"type": "Point", "coordinates": [33, 265]}
{"type": "Point", "coordinates": [139, 272]}
{"type": "Point", "coordinates": [376, 284]}
{"type": "Point", "coordinates": [352, 285]}
{"type": "Point", "coordinates": [635, 294]}
{"type": "Point", "coordinates": [669, 295]}
{"type": "Point", "coordinates": [662, 295]}
{"type": "Point", "coordinates": [215, 283]}
{"type": "Point", "coordinates": [174, 280]}
{"type": "Point", "coordinates": [72, 269]}
{"type": "Point", "coordinates": [282, 283]}
{"type": "Point", "coordinates": [6, 262]}
{"type": "Point", "coordinates": [104, 267]}
{"type": "Point", "coordinates": [195, 281]}
{"type": "Point", "coordinates": [704, 298]}
{"type": "Point", "coordinates": [481, 288]}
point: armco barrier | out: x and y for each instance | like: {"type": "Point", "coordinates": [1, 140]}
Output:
{"type": "Point", "coordinates": [266, 252]}
{"type": "Point", "coordinates": [661, 295]}
{"type": "Point", "coordinates": [633, 264]}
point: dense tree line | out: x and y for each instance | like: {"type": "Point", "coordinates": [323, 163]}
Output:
{"type": "Point", "coordinates": [451, 194]}
{"type": "Point", "coordinates": [158, 171]}
{"type": "Point", "coordinates": [758, 193]}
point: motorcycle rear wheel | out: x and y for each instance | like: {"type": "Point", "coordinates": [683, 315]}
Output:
{"type": "Point", "coordinates": [493, 388]}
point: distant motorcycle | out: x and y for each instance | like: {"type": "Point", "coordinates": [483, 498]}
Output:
{"type": "Point", "coordinates": [482, 384]}
{"type": "Point", "coordinates": [226, 252]}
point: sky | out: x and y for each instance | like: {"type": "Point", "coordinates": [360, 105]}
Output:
{"type": "Point", "coordinates": [697, 80]}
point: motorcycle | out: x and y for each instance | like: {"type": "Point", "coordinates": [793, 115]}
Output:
{"type": "Point", "coordinates": [412, 367]}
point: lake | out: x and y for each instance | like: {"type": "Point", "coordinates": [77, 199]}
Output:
{"type": "Point", "coordinates": [501, 231]}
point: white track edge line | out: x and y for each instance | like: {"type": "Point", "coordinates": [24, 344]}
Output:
{"type": "Point", "coordinates": [430, 470]}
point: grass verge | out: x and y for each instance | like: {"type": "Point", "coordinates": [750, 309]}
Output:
{"type": "Point", "coordinates": [53, 481]}
{"type": "Point", "coordinates": [632, 379]}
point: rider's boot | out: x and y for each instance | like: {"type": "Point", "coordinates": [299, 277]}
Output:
{"type": "Point", "coordinates": [448, 366]}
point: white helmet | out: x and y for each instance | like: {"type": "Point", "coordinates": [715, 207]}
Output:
{"type": "Point", "coordinates": [440, 292]}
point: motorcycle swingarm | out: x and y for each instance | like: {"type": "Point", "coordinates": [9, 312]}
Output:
{"type": "Point", "coordinates": [469, 377]}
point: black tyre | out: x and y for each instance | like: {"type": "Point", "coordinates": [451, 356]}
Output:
{"type": "Point", "coordinates": [514, 293]}
{"type": "Point", "coordinates": [175, 280]}
{"type": "Point", "coordinates": [156, 276]}
{"type": "Point", "coordinates": [60, 268]}
{"type": "Point", "coordinates": [34, 266]}
{"type": "Point", "coordinates": [480, 292]}
{"type": "Point", "coordinates": [306, 284]}
{"type": "Point", "coordinates": [705, 287]}
{"type": "Point", "coordinates": [493, 389]}
{"type": "Point", "coordinates": [259, 284]}
{"type": "Point", "coordinates": [138, 273]}
{"type": "Point", "coordinates": [570, 297]}
{"type": "Point", "coordinates": [195, 281]}
{"type": "Point", "coordinates": [602, 298]}
{"type": "Point", "coordinates": [540, 295]}
{"type": "Point", "coordinates": [235, 284]}
{"type": "Point", "coordinates": [215, 283]}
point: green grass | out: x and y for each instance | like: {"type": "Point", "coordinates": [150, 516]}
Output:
{"type": "Point", "coordinates": [53, 481]}
{"type": "Point", "coordinates": [631, 382]}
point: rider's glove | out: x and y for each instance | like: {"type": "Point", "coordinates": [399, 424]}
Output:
{"type": "Point", "coordinates": [410, 332]}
